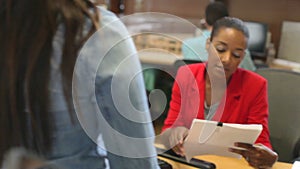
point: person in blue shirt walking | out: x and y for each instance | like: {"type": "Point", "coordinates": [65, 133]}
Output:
{"type": "Point", "coordinates": [46, 104]}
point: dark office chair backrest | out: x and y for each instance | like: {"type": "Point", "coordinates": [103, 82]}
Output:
{"type": "Point", "coordinates": [284, 106]}
{"type": "Point", "coordinates": [160, 99]}
{"type": "Point", "coordinates": [258, 33]}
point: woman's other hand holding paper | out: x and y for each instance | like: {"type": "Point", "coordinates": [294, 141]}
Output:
{"type": "Point", "coordinates": [257, 155]}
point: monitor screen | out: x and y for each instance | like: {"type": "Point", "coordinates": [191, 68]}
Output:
{"type": "Point", "coordinates": [257, 37]}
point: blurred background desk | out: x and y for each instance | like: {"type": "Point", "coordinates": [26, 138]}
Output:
{"type": "Point", "coordinates": [158, 59]}
{"type": "Point", "coordinates": [225, 163]}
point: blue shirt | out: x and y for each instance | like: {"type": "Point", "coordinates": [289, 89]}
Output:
{"type": "Point", "coordinates": [194, 49]}
{"type": "Point", "coordinates": [99, 71]}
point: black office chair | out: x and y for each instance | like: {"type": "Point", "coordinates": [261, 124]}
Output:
{"type": "Point", "coordinates": [284, 117]}
{"type": "Point", "coordinates": [257, 43]}
{"type": "Point", "coordinates": [159, 105]}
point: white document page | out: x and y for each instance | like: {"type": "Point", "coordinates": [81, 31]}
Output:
{"type": "Point", "coordinates": [296, 165]}
{"type": "Point", "coordinates": [211, 137]}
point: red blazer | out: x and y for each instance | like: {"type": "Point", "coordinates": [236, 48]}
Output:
{"type": "Point", "coordinates": [246, 100]}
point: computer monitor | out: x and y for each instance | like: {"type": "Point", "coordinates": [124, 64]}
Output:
{"type": "Point", "coordinates": [257, 42]}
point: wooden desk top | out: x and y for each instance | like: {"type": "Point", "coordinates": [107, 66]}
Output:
{"type": "Point", "coordinates": [226, 163]}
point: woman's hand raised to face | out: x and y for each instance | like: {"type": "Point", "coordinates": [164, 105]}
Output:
{"type": "Point", "coordinates": [257, 155]}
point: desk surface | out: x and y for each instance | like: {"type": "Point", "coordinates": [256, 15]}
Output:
{"type": "Point", "coordinates": [225, 163]}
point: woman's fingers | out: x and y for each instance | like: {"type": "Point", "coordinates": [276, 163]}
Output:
{"type": "Point", "coordinates": [258, 156]}
{"type": "Point", "coordinates": [178, 149]}
{"type": "Point", "coordinates": [178, 134]}
{"type": "Point", "coordinates": [244, 145]}
{"type": "Point", "coordinates": [176, 139]}
{"type": "Point", "coordinates": [244, 152]}
{"type": "Point", "coordinates": [238, 151]}
{"type": "Point", "coordinates": [249, 157]}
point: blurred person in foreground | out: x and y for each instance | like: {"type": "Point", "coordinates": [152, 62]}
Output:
{"type": "Point", "coordinates": [39, 105]}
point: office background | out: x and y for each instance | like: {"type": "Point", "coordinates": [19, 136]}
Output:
{"type": "Point", "coordinates": [282, 18]}
{"type": "Point", "coordinates": [271, 12]}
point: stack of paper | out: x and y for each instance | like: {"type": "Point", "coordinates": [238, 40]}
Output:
{"type": "Point", "coordinates": [210, 137]}
{"type": "Point", "coordinates": [296, 165]}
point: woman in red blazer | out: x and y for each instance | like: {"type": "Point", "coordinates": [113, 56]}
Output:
{"type": "Point", "coordinates": [219, 90]}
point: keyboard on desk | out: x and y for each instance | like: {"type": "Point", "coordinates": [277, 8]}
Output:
{"type": "Point", "coordinates": [197, 163]}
